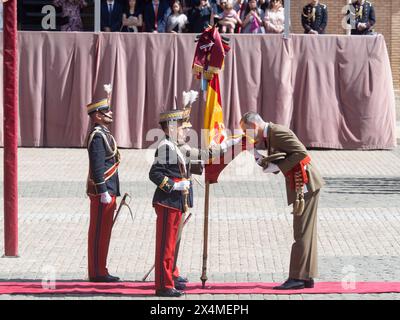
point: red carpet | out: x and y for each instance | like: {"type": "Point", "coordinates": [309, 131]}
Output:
{"type": "Point", "coordinates": [147, 288]}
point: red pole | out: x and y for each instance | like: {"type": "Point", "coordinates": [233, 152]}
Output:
{"type": "Point", "coordinates": [10, 128]}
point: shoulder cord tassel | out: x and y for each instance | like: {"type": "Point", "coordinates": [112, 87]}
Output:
{"type": "Point", "coordinates": [298, 205]}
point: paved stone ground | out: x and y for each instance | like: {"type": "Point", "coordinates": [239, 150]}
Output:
{"type": "Point", "coordinates": [250, 224]}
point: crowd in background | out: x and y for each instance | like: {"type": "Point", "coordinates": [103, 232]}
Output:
{"type": "Point", "coordinates": [231, 16]}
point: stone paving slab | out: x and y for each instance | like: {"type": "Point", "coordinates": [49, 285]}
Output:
{"type": "Point", "coordinates": [250, 224]}
{"type": "Point", "coordinates": [352, 191]}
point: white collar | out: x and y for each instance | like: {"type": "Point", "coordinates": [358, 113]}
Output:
{"type": "Point", "coordinates": [103, 127]}
{"type": "Point", "coordinates": [172, 144]}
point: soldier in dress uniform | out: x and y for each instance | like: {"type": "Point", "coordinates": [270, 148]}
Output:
{"type": "Point", "coordinates": [363, 16]}
{"type": "Point", "coordinates": [303, 182]}
{"type": "Point", "coordinates": [102, 189]}
{"type": "Point", "coordinates": [315, 17]}
{"type": "Point", "coordinates": [174, 194]}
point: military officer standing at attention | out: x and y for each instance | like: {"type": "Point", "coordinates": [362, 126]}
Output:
{"type": "Point", "coordinates": [174, 191]}
{"type": "Point", "coordinates": [315, 17]}
{"type": "Point", "coordinates": [102, 189]}
{"type": "Point", "coordinates": [174, 195]}
{"type": "Point", "coordinates": [364, 17]}
{"type": "Point", "coordinates": [303, 182]}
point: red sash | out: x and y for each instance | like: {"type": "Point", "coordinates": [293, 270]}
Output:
{"type": "Point", "coordinates": [110, 172]}
{"type": "Point", "coordinates": [298, 175]}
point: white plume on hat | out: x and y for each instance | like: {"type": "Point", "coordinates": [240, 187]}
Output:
{"type": "Point", "coordinates": [188, 97]}
{"type": "Point", "coordinates": [107, 88]}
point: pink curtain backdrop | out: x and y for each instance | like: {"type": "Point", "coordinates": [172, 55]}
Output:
{"type": "Point", "coordinates": [333, 91]}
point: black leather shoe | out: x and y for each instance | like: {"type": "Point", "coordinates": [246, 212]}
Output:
{"type": "Point", "coordinates": [181, 279]}
{"type": "Point", "coordinates": [309, 283]}
{"type": "Point", "coordinates": [107, 278]}
{"type": "Point", "coordinates": [180, 285]}
{"type": "Point", "coordinates": [169, 293]}
{"type": "Point", "coordinates": [294, 284]}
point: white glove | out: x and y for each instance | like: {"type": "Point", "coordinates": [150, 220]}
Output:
{"type": "Point", "coordinates": [105, 198]}
{"type": "Point", "coordinates": [181, 185]}
{"type": "Point", "coordinates": [272, 167]}
{"type": "Point", "coordinates": [229, 143]}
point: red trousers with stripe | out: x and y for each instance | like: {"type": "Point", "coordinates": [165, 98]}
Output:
{"type": "Point", "coordinates": [101, 220]}
{"type": "Point", "coordinates": [168, 221]}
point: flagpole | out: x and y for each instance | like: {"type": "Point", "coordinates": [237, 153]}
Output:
{"type": "Point", "coordinates": [10, 125]}
{"type": "Point", "coordinates": [213, 121]}
{"type": "Point", "coordinates": [203, 277]}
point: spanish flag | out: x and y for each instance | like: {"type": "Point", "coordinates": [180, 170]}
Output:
{"type": "Point", "coordinates": [216, 133]}
{"type": "Point", "coordinates": [214, 128]}
{"type": "Point", "coordinates": [213, 115]}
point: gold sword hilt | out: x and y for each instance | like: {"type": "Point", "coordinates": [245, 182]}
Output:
{"type": "Point", "coordinates": [185, 196]}
{"type": "Point", "coordinates": [121, 204]}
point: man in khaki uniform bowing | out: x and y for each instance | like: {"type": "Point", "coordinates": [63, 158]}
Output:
{"type": "Point", "coordinates": [288, 155]}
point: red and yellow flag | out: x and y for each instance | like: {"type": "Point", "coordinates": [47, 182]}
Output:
{"type": "Point", "coordinates": [215, 128]}
{"type": "Point", "coordinates": [216, 133]}
{"type": "Point", "coordinates": [213, 115]}
{"type": "Point", "coordinates": [208, 61]}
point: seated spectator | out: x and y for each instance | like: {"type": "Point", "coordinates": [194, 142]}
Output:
{"type": "Point", "coordinates": [155, 15]}
{"type": "Point", "coordinates": [71, 10]}
{"type": "Point", "coordinates": [177, 21]}
{"type": "Point", "coordinates": [274, 18]}
{"type": "Point", "coordinates": [229, 19]}
{"type": "Point", "coordinates": [253, 18]}
{"type": "Point", "coordinates": [132, 19]}
{"type": "Point", "coordinates": [111, 16]}
{"type": "Point", "coordinates": [364, 18]}
{"type": "Point", "coordinates": [200, 16]}
{"type": "Point", "coordinates": [314, 18]}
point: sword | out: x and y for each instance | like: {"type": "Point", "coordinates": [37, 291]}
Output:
{"type": "Point", "coordinates": [177, 240]}
{"type": "Point", "coordinates": [121, 204]}
{"type": "Point", "coordinates": [198, 181]}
